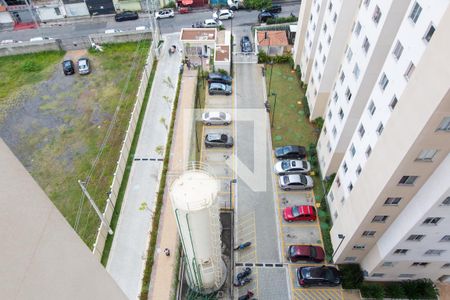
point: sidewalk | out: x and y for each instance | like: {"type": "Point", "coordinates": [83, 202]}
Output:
{"type": "Point", "coordinates": [163, 269]}
{"type": "Point", "coordinates": [128, 251]}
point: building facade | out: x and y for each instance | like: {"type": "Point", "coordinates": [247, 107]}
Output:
{"type": "Point", "coordinates": [386, 136]}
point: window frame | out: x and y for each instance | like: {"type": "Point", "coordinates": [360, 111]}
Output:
{"type": "Point", "coordinates": [415, 12]}
{"type": "Point", "coordinates": [398, 50]}
{"type": "Point", "coordinates": [406, 179]}
{"type": "Point", "coordinates": [394, 201]}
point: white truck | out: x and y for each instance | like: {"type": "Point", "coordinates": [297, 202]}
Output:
{"type": "Point", "coordinates": [235, 4]}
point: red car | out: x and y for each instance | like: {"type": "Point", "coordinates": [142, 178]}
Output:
{"type": "Point", "coordinates": [299, 213]}
{"type": "Point", "coordinates": [305, 253]}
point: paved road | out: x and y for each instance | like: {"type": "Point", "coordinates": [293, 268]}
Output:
{"type": "Point", "coordinates": [243, 18]}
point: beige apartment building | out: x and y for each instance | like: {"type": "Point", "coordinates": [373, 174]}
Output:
{"type": "Point", "coordinates": [386, 137]}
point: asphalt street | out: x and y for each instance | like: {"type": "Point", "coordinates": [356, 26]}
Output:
{"type": "Point", "coordinates": [73, 31]}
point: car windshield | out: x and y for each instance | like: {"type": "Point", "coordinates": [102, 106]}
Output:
{"type": "Point", "coordinates": [328, 274]}
{"type": "Point", "coordinates": [292, 251]}
{"type": "Point", "coordinates": [304, 165]}
{"type": "Point", "coordinates": [67, 64]}
{"type": "Point", "coordinates": [312, 251]}
{"type": "Point", "coordinates": [295, 211]}
{"type": "Point", "coordinates": [223, 137]}
{"type": "Point", "coordinates": [303, 180]}
{"type": "Point", "coordinates": [207, 115]}
{"type": "Point", "coordinates": [286, 179]}
{"type": "Point", "coordinates": [222, 116]}
{"type": "Point", "coordinates": [285, 165]}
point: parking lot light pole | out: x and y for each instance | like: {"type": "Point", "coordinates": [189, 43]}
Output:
{"type": "Point", "coordinates": [270, 79]}
{"type": "Point", "coordinates": [342, 237]}
{"type": "Point", "coordinates": [274, 107]}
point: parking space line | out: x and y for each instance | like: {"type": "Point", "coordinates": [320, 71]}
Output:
{"type": "Point", "coordinates": [286, 224]}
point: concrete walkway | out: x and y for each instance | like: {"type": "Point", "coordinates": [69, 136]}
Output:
{"type": "Point", "coordinates": [128, 251]}
{"type": "Point", "coordinates": [163, 267]}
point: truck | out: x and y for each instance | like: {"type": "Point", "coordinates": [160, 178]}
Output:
{"type": "Point", "coordinates": [235, 4]}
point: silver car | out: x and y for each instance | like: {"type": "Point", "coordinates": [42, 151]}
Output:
{"type": "Point", "coordinates": [84, 66]}
{"type": "Point", "coordinates": [292, 166]}
{"type": "Point", "coordinates": [216, 118]}
{"type": "Point", "coordinates": [296, 182]}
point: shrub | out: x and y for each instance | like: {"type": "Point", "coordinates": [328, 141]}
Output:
{"type": "Point", "coordinates": [298, 71]}
{"type": "Point", "coordinates": [31, 66]}
{"type": "Point", "coordinates": [220, 28]}
{"type": "Point", "coordinates": [171, 4]}
{"type": "Point", "coordinates": [257, 4]}
{"type": "Point", "coordinates": [306, 106]}
{"type": "Point", "coordinates": [394, 290]}
{"type": "Point", "coordinates": [352, 276]}
{"type": "Point", "coordinates": [282, 59]}
{"type": "Point", "coordinates": [263, 58]}
{"type": "Point", "coordinates": [372, 290]}
{"type": "Point", "coordinates": [291, 61]}
{"type": "Point", "coordinates": [312, 150]}
{"type": "Point", "coordinates": [222, 71]}
{"type": "Point", "coordinates": [420, 289]}
{"type": "Point", "coordinates": [319, 122]}
{"type": "Point", "coordinates": [282, 20]}
{"type": "Point", "coordinates": [329, 181]}
{"type": "Point", "coordinates": [328, 247]}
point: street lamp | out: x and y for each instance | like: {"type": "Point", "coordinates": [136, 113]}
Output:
{"type": "Point", "coordinates": [342, 237]}
{"type": "Point", "coordinates": [270, 79]}
{"type": "Point", "coordinates": [231, 182]}
{"type": "Point", "coordinates": [274, 107]}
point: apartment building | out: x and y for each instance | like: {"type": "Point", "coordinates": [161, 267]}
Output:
{"type": "Point", "coordinates": [390, 199]}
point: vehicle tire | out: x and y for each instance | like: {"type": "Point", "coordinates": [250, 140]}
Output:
{"type": "Point", "coordinates": [287, 189]}
{"type": "Point", "coordinates": [207, 146]}
{"type": "Point", "coordinates": [208, 124]}
{"type": "Point", "coordinates": [226, 123]}
{"type": "Point", "coordinates": [228, 146]}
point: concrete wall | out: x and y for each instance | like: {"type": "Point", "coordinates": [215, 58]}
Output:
{"type": "Point", "coordinates": [28, 47]}
{"type": "Point", "coordinates": [121, 37]}
{"type": "Point", "coordinates": [41, 256]}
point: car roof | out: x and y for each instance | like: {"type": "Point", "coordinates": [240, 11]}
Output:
{"type": "Point", "coordinates": [302, 249]}
{"type": "Point", "coordinates": [216, 84]}
{"type": "Point", "coordinates": [213, 136]}
{"type": "Point", "coordinates": [82, 59]}
{"type": "Point", "coordinates": [210, 20]}
{"type": "Point", "coordinates": [215, 113]}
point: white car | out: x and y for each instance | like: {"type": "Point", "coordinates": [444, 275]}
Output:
{"type": "Point", "coordinates": [208, 23]}
{"type": "Point", "coordinates": [109, 31]}
{"type": "Point", "coordinates": [40, 38]}
{"type": "Point", "coordinates": [5, 42]}
{"type": "Point", "coordinates": [223, 14]}
{"type": "Point", "coordinates": [296, 182]}
{"type": "Point", "coordinates": [141, 28]}
{"type": "Point", "coordinates": [165, 13]}
{"type": "Point", "coordinates": [216, 118]}
{"type": "Point", "coordinates": [292, 166]}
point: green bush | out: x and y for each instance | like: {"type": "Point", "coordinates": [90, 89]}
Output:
{"type": "Point", "coordinates": [420, 289]}
{"type": "Point", "coordinates": [263, 58]}
{"type": "Point", "coordinates": [220, 28]}
{"type": "Point", "coordinates": [394, 290]}
{"type": "Point", "coordinates": [329, 182]}
{"type": "Point", "coordinates": [319, 122]}
{"type": "Point", "coordinates": [31, 66]}
{"type": "Point", "coordinates": [312, 150]}
{"type": "Point", "coordinates": [171, 4]}
{"type": "Point", "coordinates": [306, 106]}
{"type": "Point", "coordinates": [257, 4]}
{"type": "Point", "coordinates": [352, 276]}
{"type": "Point", "coordinates": [282, 59]}
{"type": "Point", "coordinates": [222, 71]}
{"type": "Point", "coordinates": [328, 246]}
{"type": "Point", "coordinates": [372, 290]}
{"type": "Point", "coordinates": [282, 20]}
{"type": "Point", "coordinates": [298, 71]}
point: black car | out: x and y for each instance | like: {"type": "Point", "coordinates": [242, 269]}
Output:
{"type": "Point", "coordinates": [290, 152]}
{"type": "Point", "coordinates": [218, 140]}
{"type": "Point", "coordinates": [275, 9]}
{"type": "Point", "coordinates": [126, 16]}
{"type": "Point", "coordinates": [324, 275]}
{"type": "Point", "coordinates": [265, 15]}
{"type": "Point", "coordinates": [219, 78]}
{"type": "Point", "coordinates": [246, 45]}
{"type": "Point", "coordinates": [68, 67]}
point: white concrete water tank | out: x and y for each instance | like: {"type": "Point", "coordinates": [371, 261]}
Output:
{"type": "Point", "coordinates": [196, 209]}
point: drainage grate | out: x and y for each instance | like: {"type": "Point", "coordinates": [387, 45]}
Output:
{"type": "Point", "coordinates": [261, 265]}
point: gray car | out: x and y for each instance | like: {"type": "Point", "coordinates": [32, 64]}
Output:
{"type": "Point", "coordinates": [219, 89]}
{"type": "Point", "coordinates": [216, 118]}
{"type": "Point", "coordinates": [292, 166]}
{"type": "Point", "coordinates": [84, 66]}
{"type": "Point", "coordinates": [221, 140]}
{"type": "Point", "coordinates": [296, 182]}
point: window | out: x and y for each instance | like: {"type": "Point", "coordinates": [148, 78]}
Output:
{"type": "Point", "coordinates": [342, 200]}
{"type": "Point", "coordinates": [358, 170]}
{"type": "Point", "coordinates": [368, 233]}
{"type": "Point", "coordinates": [57, 11]}
{"type": "Point", "coordinates": [415, 237]}
{"type": "Point", "coordinates": [335, 18]}
{"type": "Point", "coordinates": [393, 103]}
{"type": "Point", "coordinates": [445, 238]}
{"type": "Point", "coordinates": [330, 114]}
{"type": "Point", "coordinates": [342, 77]}
{"type": "Point", "coordinates": [350, 258]}
{"type": "Point", "coordinates": [315, 65]}
{"type": "Point", "coordinates": [330, 6]}
{"type": "Point", "coordinates": [429, 33]}
{"type": "Point", "coordinates": [398, 50]}
{"type": "Point", "coordinates": [407, 180]}
{"type": "Point", "coordinates": [356, 71]}
{"type": "Point", "coordinates": [348, 94]}
{"type": "Point", "coordinates": [445, 124]}
{"type": "Point", "coordinates": [329, 39]}
{"type": "Point", "coordinates": [325, 27]}
{"type": "Point", "coordinates": [329, 146]}
{"type": "Point", "coordinates": [371, 108]}
{"type": "Point", "coordinates": [359, 246]}
{"type": "Point", "coordinates": [368, 151]}
{"type": "Point", "coordinates": [419, 264]}
{"type": "Point", "coordinates": [392, 201]}
{"type": "Point", "coordinates": [415, 12]}
{"type": "Point", "coordinates": [345, 167]}
{"type": "Point", "coordinates": [426, 155]}
{"type": "Point", "coordinates": [324, 129]}
{"type": "Point", "coordinates": [383, 82]}
{"type": "Point", "coordinates": [366, 3]}
{"type": "Point", "coordinates": [434, 252]}
{"type": "Point", "coordinates": [388, 264]}
{"type": "Point", "coordinates": [324, 58]}
{"type": "Point", "coordinates": [376, 14]}
{"type": "Point", "coordinates": [331, 196]}
{"type": "Point", "coordinates": [349, 54]}
{"type": "Point", "coordinates": [361, 130]}
{"type": "Point", "coordinates": [379, 275]}
{"type": "Point", "coordinates": [380, 128]}
{"type": "Point", "coordinates": [335, 97]}
{"type": "Point", "coordinates": [431, 221]}
{"type": "Point", "coordinates": [341, 114]}
{"type": "Point", "coordinates": [446, 202]}
{"type": "Point", "coordinates": [317, 8]}
{"type": "Point", "coordinates": [379, 219]}
{"type": "Point", "coordinates": [350, 187]}
{"type": "Point", "coordinates": [358, 28]}
{"type": "Point", "coordinates": [320, 47]}
{"type": "Point", "coordinates": [406, 275]}
{"type": "Point", "coordinates": [338, 182]}
{"type": "Point", "coordinates": [447, 265]}
{"type": "Point", "coordinates": [334, 131]}
{"type": "Point", "coordinates": [409, 71]}
{"type": "Point", "coordinates": [401, 251]}
{"type": "Point", "coordinates": [366, 45]}
{"type": "Point", "coordinates": [352, 150]}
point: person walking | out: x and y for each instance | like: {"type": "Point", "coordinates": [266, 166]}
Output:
{"type": "Point", "coordinates": [167, 252]}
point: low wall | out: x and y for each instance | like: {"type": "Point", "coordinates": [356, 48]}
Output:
{"type": "Point", "coordinates": [29, 47]}
{"type": "Point", "coordinates": [121, 37]}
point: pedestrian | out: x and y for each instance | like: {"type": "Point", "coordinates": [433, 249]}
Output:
{"type": "Point", "coordinates": [167, 252]}
{"type": "Point", "coordinates": [188, 63]}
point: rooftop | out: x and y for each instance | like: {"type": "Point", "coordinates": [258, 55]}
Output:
{"type": "Point", "coordinates": [222, 53]}
{"type": "Point", "coordinates": [274, 38]}
{"type": "Point", "coordinates": [198, 34]}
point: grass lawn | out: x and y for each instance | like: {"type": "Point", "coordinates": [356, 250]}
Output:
{"type": "Point", "coordinates": [292, 127]}
{"type": "Point", "coordinates": [59, 140]}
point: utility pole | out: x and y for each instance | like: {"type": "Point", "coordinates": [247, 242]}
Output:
{"type": "Point", "coordinates": [274, 107]}
{"type": "Point", "coordinates": [99, 214]}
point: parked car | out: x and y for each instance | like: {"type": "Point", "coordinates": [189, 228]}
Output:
{"type": "Point", "coordinates": [305, 253]}
{"type": "Point", "coordinates": [223, 14]}
{"type": "Point", "coordinates": [41, 38]}
{"type": "Point", "coordinates": [68, 67]}
{"type": "Point", "coordinates": [84, 66]}
{"type": "Point", "coordinates": [219, 78]}
{"type": "Point", "coordinates": [292, 166]}
{"type": "Point", "coordinates": [246, 44]}
{"type": "Point", "coordinates": [275, 9]}
{"type": "Point", "coordinates": [165, 13]}
{"type": "Point", "coordinates": [5, 42]}
{"type": "Point", "coordinates": [265, 15]}
{"type": "Point", "coordinates": [219, 89]}
{"type": "Point", "coordinates": [313, 276]}
{"type": "Point", "coordinates": [296, 182]}
{"type": "Point", "coordinates": [126, 16]}
{"type": "Point", "coordinates": [290, 152]}
{"type": "Point", "coordinates": [218, 140]}
{"type": "Point", "coordinates": [216, 118]}
{"type": "Point", "coordinates": [112, 30]}
{"type": "Point", "coordinates": [299, 213]}
{"type": "Point", "coordinates": [141, 28]}
{"type": "Point", "coordinates": [208, 23]}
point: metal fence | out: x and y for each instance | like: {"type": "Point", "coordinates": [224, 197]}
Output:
{"type": "Point", "coordinates": [102, 233]}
